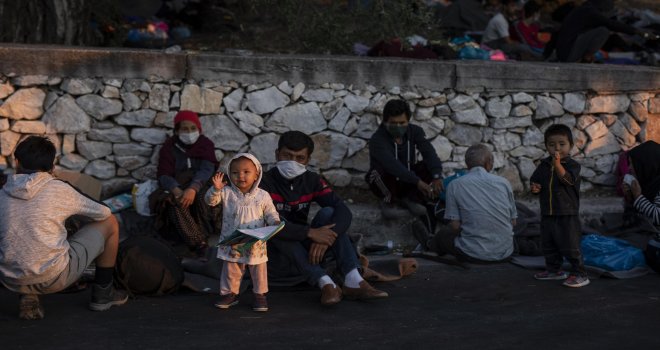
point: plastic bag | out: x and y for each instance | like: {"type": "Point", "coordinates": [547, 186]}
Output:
{"type": "Point", "coordinates": [141, 194]}
{"type": "Point", "coordinates": [119, 202]}
{"type": "Point", "coordinates": [611, 254]}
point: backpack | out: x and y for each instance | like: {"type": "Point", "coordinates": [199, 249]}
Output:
{"type": "Point", "coordinates": [147, 266]}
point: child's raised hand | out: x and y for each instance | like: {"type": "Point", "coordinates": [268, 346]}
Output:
{"type": "Point", "coordinates": [535, 188]}
{"type": "Point", "coordinates": [218, 184]}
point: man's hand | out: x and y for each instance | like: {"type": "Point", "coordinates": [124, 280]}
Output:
{"type": "Point", "coordinates": [316, 253]}
{"type": "Point", "coordinates": [437, 186]}
{"type": "Point", "coordinates": [187, 198]}
{"type": "Point", "coordinates": [323, 235]}
{"type": "Point", "coordinates": [535, 188]}
{"type": "Point", "coordinates": [455, 225]}
{"type": "Point", "coordinates": [425, 188]}
{"type": "Point", "coordinates": [177, 192]}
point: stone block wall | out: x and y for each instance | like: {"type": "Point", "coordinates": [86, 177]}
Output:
{"type": "Point", "coordinates": [111, 125]}
{"type": "Point", "coordinates": [112, 128]}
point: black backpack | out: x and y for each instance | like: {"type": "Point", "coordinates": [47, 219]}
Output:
{"type": "Point", "coordinates": [147, 266]}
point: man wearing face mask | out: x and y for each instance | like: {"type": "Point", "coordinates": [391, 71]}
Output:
{"type": "Point", "coordinates": [300, 248]}
{"type": "Point", "coordinates": [396, 175]}
{"type": "Point", "coordinates": [186, 163]}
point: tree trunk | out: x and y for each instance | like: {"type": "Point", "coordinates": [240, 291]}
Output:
{"type": "Point", "coordinates": [64, 22]}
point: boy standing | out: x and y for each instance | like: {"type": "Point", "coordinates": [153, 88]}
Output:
{"type": "Point", "coordinates": [557, 181]}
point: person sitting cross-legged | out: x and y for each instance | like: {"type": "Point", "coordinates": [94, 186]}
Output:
{"type": "Point", "coordinates": [482, 213]}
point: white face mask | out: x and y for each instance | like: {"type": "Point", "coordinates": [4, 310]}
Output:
{"type": "Point", "coordinates": [290, 168]}
{"type": "Point", "coordinates": [189, 138]}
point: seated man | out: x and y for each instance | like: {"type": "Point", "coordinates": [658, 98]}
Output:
{"type": "Point", "coordinates": [586, 29]}
{"type": "Point", "coordinates": [482, 213]}
{"type": "Point", "coordinates": [396, 174]}
{"type": "Point", "coordinates": [35, 255]}
{"type": "Point", "coordinates": [292, 188]}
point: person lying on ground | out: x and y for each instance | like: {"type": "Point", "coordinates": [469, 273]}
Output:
{"type": "Point", "coordinates": [36, 256]}
{"type": "Point", "coordinates": [586, 29]}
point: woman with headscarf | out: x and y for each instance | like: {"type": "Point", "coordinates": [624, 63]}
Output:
{"type": "Point", "coordinates": [645, 188]}
{"type": "Point", "coordinates": [186, 163]}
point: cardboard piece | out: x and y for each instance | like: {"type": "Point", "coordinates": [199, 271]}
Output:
{"type": "Point", "coordinates": [83, 182]}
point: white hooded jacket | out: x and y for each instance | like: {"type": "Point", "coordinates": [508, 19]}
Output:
{"type": "Point", "coordinates": [253, 209]}
{"type": "Point", "coordinates": [33, 240]}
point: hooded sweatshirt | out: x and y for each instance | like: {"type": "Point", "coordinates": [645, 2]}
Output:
{"type": "Point", "coordinates": [33, 240]}
{"type": "Point", "coordinates": [253, 209]}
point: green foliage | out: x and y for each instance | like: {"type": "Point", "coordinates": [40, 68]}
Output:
{"type": "Point", "coordinates": [333, 27]}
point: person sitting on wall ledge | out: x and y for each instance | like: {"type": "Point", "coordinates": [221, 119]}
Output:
{"type": "Point", "coordinates": [481, 210]}
{"type": "Point", "coordinates": [586, 29]}
{"type": "Point", "coordinates": [397, 176]}
{"type": "Point", "coordinates": [300, 248]}
{"type": "Point", "coordinates": [36, 257]}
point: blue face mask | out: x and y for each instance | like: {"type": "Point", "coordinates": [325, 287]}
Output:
{"type": "Point", "coordinates": [396, 130]}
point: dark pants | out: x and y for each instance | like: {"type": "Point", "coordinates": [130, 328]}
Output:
{"type": "Point", "coordinates": [298, 251]}
{"type": "Point", "coordinates": [588, 43]}
{"type": "Point", "coordinates": [392, 190]}
{"type": "Point", "coordinates": [560, 237]}
{"type": "Point", "coordinates": [444, 243]}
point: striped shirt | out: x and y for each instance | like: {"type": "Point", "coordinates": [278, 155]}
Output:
{"type": "Point", "coordinates": [648, 209]}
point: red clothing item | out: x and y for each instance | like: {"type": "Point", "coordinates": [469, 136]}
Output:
{"type": "Point", "coordinates": [527, 34]}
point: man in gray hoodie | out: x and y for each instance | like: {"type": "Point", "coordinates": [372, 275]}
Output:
{"type": "Point", "coordinates": [36, 257]}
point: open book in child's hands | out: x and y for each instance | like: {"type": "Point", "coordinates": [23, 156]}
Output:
{"type": "Point", "coordinates": [251, 235]}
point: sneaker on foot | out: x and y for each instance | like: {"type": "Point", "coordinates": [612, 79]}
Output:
{"type": "Point", "coordinates": [260, 303]}
{"type": "Point", "coordinates": [548, 276]}
{"type": "Point", "coordinates": [105, 297]}
{"type": "Point", "coordinates": [226, 301]}
{"type": "Point", "coordinates": [576, 281]}
{"type": "Point", "coordinates": [29, 307]}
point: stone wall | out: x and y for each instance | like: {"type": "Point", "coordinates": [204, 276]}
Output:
{"type": "Point", "coordinates": [111, 128]}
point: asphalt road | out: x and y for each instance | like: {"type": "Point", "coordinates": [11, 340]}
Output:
{"type": "Point", "coordinates": [440, 307]}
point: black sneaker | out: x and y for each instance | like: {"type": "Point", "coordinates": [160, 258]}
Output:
{"type": "Point", "coordinates": [105, 297]}
{"type": "Point", "coordinates": [29, 307]}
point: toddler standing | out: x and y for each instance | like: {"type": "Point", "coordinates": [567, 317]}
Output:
{"type": "Point", "coordinates": [244, 205]}
{"type": "Point", "coordinates": [557, 181]}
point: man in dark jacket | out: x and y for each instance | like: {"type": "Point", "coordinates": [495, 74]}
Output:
{"type": "Point", "coordinates": [396, 175]}
{"type": "Point", "coordinates": [300, 248]}
{"type": "Point", "coordinates": [586, 29]}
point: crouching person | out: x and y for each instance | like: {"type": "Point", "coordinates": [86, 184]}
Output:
{"type": "Point", "coordinates": [36, 257]}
